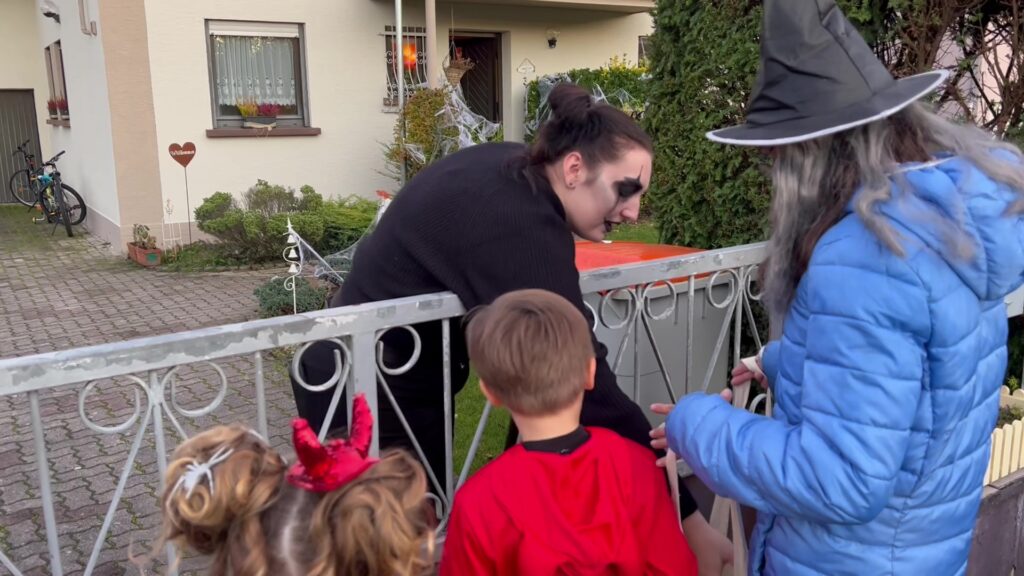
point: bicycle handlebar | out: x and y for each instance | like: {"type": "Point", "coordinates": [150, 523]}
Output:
{"type": "Point", "coordinates": [21, 148]}
{"type": "Point", "coordinates": [53, 161]}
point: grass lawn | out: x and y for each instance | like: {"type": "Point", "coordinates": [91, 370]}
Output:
{"type": "Point", "coordinates": [645, 232]}
{"type": "Point", "coordinates": [469, 403]}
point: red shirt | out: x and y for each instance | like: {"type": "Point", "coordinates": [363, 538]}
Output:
{"type": "Point", "coordinates": [602, 508]}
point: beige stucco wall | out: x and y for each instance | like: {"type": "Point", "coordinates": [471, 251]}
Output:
{"type": "Point", "coordinates": [346, 85]}
{"type": "Point", "coordinates": [20, 70]}
{"type": "Point", "coordinates": [88, 165]}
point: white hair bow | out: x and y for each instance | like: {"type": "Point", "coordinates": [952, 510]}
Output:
{"type": "Point", "coordinates": [196, 471]}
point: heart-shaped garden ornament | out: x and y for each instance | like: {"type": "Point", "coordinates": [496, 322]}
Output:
{"type": "Point", "coordinates": [183, 153]}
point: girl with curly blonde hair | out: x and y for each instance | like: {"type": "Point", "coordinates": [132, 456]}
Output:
{"type": "Point", "coordinates": [335, 512]}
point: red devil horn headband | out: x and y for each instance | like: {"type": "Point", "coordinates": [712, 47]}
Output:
{"type": "Point", "coordinates": [327, 467]}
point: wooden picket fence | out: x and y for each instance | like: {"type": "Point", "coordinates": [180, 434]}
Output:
{"type": "Point", "coordinates": [1007, 442]}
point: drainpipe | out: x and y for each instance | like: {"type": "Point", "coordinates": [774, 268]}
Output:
{"type": "Point", "coordinates": [88, 26]}
{"type": "Point", "coordinates": [399, 71]}
{"type": "Point", "coordinates": [433, 64]}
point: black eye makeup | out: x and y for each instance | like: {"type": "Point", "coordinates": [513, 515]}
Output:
{"type": "Point", "coordinates": [629, 187]}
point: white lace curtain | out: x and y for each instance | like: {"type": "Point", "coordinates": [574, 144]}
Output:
{"type": "Point", "coordinates": [255, 68]}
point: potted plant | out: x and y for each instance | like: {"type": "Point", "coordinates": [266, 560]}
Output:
{"type": "Point", "coordinates": [51, 107]}
{"type": "Point", "coordinates": [142, 249]}
{"type": "Point", "coordinates": [258, 115]}
{"type": "Point", "coordinates": [62, 107]}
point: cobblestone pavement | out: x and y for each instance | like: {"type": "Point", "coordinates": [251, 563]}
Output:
{"type": "Point", "coordinates": [57, 293]}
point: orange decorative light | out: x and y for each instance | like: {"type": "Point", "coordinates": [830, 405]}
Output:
{"type": "Point", "coordinates": [409, 55]}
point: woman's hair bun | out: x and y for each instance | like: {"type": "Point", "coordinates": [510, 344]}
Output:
{"type": "Point", "coordinates": [569, 102]}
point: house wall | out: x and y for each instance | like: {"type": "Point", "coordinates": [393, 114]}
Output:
{"type": "Point", "coordinates": [88, 165]}
{"type": "Point", "coordinates": [345, 88]}
{"type": "Point", "coordinates": [23, 66]}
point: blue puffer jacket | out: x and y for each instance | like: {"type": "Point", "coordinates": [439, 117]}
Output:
{"type": "Point", "coordinates": [886, 385]}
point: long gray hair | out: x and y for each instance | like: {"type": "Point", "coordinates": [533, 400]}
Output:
{"type": "Point", "coordinates": [814, 181]}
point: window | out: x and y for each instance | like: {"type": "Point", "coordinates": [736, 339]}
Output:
{"type": "Point", "coordinates": [643, 50]}
{"type": "Point", "coordinates": [414, 61]}
{"type": "Point", "coordinates": [257, 63]}
{"type": "Point", "coordinates": [58, 102]}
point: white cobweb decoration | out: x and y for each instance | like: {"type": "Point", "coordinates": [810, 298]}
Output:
{"type": "Point", "coordinates": [618, 98]}
{"type": "Point", "coordinates": [304, 260]}
{"type": "Point", "coordinates": [460, 127]}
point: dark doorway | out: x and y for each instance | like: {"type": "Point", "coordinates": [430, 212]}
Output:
{"type": "Point", "coordinates": [481, 85]}
{"type": "Point", "coordinates": [17, 124]}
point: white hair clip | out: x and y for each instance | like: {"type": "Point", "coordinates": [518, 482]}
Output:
{"type": "Point", "coordinates": [195, 471]}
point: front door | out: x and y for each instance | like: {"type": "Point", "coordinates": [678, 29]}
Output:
{"type": "Point", "coordinates": [481, 85]}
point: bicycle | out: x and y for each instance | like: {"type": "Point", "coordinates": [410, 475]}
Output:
{"type": "Point", "coordinates": [23, 182]}
{"type": "Point", "coordinates": [33, 186]}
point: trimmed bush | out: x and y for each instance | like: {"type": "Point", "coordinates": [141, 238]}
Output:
{"type": "Point", "coordinates": [256, 233]}
{"type": "Point", "coordinates": [275, 300]}
{"type": "Point", "coordinates": [703, 194]}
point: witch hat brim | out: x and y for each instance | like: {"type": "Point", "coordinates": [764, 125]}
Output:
{"type": "Point", "coordinates": [885, 103]}
{"type": "Point", "coordinates": [818, 77]}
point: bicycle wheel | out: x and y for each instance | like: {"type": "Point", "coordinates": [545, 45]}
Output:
{"type": "Point", "coordinates": [76, 206]}
{"type": "Point", "coordinates": [22, 188]}
{"type": "Point", "coordinates": [63, 214]}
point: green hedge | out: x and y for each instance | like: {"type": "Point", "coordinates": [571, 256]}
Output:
{"type": "Point", "coordinates": [704, 194]}
{"type": "Point", "coordinates": [253, 229]}
{"type": "Point", "coordinates": [623, 85]}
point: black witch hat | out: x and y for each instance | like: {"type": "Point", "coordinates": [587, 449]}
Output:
{"type": "Point", "coordinates": [818, 77]}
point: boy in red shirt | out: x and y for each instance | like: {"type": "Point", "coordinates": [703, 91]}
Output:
{"type": "Point", "coordinates": [568, 499]}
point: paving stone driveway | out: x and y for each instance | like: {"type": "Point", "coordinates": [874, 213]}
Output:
{"type": "Point", "coordinates": [57, 293]}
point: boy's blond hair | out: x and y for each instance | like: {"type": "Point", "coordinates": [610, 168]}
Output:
{"type": "Point", "coordinates": [532, 349]}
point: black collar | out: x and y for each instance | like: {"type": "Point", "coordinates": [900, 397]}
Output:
{"type": "Point", "coordinates": [563, 445]}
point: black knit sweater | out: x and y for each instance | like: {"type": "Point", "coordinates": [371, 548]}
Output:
{"type": "Point", "coordinates": [475, 225]}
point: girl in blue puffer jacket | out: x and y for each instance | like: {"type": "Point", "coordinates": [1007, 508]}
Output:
{"type": "Point", "coordinates": [896, 237]}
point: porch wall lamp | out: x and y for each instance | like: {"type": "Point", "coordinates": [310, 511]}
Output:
{"type": "Point", "coordinates": [552, 36]}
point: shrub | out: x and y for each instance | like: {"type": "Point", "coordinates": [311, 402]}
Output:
{"type": "Point", "coordinates": [623, 85]}
{"type": "Point", "coordinates": [256, 233]}
{"type": "Point", "coordinates": [435, 126]}
{"type": "Point", "coordinates": [1009, 415]}
{"type": "Point", "coordinates": [425, 130]}
{"type": "Point", "coordinates": [345, 222]}
{"type": "Point", "coordinates": [268, 199]}
{"type": "Point", "coordinates": [704, 194]}
{"type": "Point", "coordinates": [311, 200]}
{"type": "Point", "coordinates": [275, 300]}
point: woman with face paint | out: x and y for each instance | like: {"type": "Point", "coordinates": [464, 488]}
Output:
{"type": "Point", "coordinates": [489, 220]}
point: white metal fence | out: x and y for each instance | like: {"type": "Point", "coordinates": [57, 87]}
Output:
{"type": "Point", "coordinates": [91, 428]}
